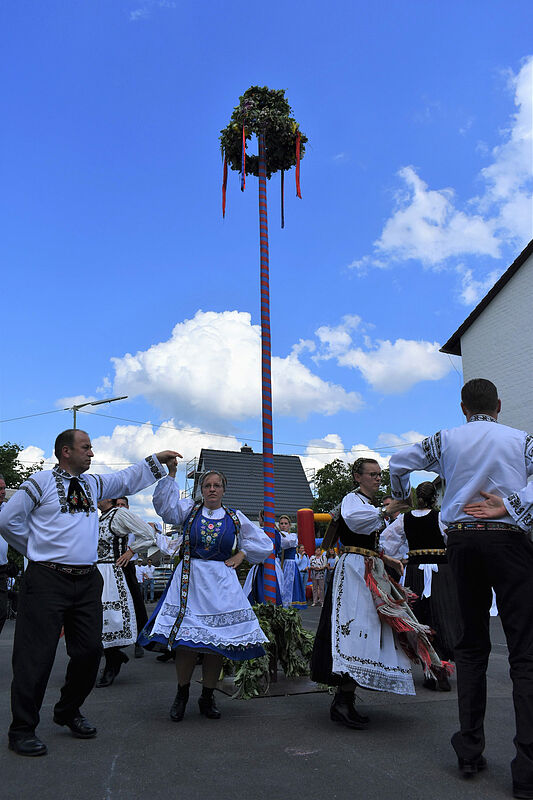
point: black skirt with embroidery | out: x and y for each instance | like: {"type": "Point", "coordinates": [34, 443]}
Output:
{"type": "Point", "coordinates": [321, 657]}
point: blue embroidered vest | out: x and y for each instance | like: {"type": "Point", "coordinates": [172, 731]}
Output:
{"type": "Point", "coordinates": [212, 539]}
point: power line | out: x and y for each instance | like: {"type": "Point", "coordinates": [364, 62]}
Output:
{"type": "Point", "coordinates": [244, 436]}
{"type": "Point", "coordinates": [309, 450]}
{"type": "Point", "coordinates": [28, 416]}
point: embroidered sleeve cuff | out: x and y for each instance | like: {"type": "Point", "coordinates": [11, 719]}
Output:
{"type": "Point", "coordinates": [521, 514]}
{"type": "Point", "coordinates": [155, 467]}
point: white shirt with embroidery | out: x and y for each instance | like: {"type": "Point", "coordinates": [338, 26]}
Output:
{"type": "Point", "coordinates": [480, 456]}
{"type": "Point", "coordinates": [360, 515]}
{"type": "Point", "coordinates": [38, 523]}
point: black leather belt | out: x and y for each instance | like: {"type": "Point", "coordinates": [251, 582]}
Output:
{"type": "Point", "coordinates": [67, 569]}
{"type": "Point", "coordinates": [483, 526]}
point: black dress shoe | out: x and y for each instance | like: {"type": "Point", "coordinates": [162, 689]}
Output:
{"type": "Point", "coordinates": [472, 766]}
{"type": "Point", "coordinates": [208, 707]}
{"type": "Point", "coordinates": [80, 727]}
{"type": "Point", "coordinates": [177, 709]}
{"type": "Point", "coordinates": [343, 710]}
{"type": "Point", "coordinates": [106, 678]}
{"type": "Point", "coordinates": [27, 745]}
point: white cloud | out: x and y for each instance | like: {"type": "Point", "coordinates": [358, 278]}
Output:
{"type": "Point", "coordinates": [75, 400]}
{"type": "Point", "coordinates": [473, 290]}
{"type": "Point", "coordinates": [209, 370]}
{"type": "Point", "coordinates": [394, 367]}
{"type": "Point", "coordinates": [389, 367]}
{"type": "Point", "coordinates": [427, 226]}
{"type": "Point", "coordinates": [34, 455]}
{"type": "Point", "coordinates": [430, 225]}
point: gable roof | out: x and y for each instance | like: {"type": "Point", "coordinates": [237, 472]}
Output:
{"type": "Point", "coordinates": [244, 472]}
{"type": "Point", "coordinates": [453, 345]}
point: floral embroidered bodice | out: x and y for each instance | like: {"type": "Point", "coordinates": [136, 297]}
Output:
{"type": "Point", "coordinates": [212, 539]}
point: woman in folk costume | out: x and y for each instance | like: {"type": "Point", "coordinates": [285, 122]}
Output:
{"type": "Point", "coordinates": [420, 537]}
{"type": "Point", "coordinates": [292, 592]}
{"type": "Point", "coordinates": [119, 620]}
{"type": "Point", "coordinates": [204, 609]}
{"type": "Point", "coordinates": [254, 587]}
{"type": "Point", "coordinates": [367, 632]}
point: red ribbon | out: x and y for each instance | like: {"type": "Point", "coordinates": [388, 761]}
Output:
{"type": "Point", "coordinates": [282, 198]}
{"type": "Point", "coordinates": [243, 165]}
{"type": "Point", "coordinates": [224, 185]}
{"type": "Point", "coordinates": [298, 192]}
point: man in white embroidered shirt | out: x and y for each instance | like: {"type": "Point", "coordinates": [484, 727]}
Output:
{"type": "Point", "coordinates": [52, 519]}
{"type": "Point", "coordinates": [475, 459]}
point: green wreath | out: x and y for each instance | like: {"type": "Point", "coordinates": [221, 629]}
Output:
{"type": "Point", "coordinates": [263, 110]}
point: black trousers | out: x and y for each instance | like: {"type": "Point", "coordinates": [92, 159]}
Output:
{"type": "Point", "coordinates": [136, 595]}
{"type": "Point", "coordinates": [480, 560]}
{"type": "Point", "coordinates": [47, 601]}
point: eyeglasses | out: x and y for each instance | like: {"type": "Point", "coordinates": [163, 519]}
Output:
{"type": "Point", "coordinates": [372, 474]}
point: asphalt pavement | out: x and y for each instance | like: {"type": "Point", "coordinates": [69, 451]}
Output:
{"type": "Point", "coordinates": [279, 747]}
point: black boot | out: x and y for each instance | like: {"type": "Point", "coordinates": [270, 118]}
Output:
{"type": "Point", "coordinates": [114, 658]}
{"type": "Point", "coordinates": [343, 710]}
{"type": "Point", "coordinates": [443, 683]}
{"type": "Point", "coordinates": [207, 704]}
{"type": "Point", "coordinates": [177, 709]}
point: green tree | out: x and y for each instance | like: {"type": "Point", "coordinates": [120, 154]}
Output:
{"type": "Point", "coordinates": [332, 482]}
{"type": "Point", "coordinates": [13, 471]}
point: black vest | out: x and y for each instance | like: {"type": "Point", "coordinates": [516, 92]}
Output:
{"type": "Point", "coordinates": [423, 533]}
{"type": "Point", "coordinates": [350, 539]}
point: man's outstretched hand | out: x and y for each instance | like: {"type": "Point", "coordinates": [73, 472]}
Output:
{"type": "Point", "coordinates": [170, 458]}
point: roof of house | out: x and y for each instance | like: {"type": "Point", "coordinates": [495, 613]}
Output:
{"type": "Point", "coordinates": [453, 345]}
{"type": "Point", "coordinates": [244, 472]}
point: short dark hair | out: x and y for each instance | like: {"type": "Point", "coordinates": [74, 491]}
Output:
{"type": "Point", "coordinates": [479, 396]}
{"type": "Point", "coordinates": [65, 439]}
{"type": "Point", "coordinates": [357, 466]}
{"type": "Point", "coordinates": [116, 499]}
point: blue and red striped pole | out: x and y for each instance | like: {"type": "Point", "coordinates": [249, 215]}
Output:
{"type": "Point", "coordinates": [266, 381]}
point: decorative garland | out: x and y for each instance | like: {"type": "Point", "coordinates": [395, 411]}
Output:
{"type": "Point", "coordinates": [262, 111]}
{"type": "Point", "coordinates": [283, 627]}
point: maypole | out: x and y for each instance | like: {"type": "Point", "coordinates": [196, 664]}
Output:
{"type": "Point", "coordinates": [266, 380]}
{"type": "Point", "coordinates": [266, 113]}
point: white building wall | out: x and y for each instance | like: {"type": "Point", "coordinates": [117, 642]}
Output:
{"type": "Point", "coordinates": [499, 346]}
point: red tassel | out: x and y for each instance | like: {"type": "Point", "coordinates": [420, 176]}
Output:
{"type": "Point", "coordinates": [224, 185]}
{"type": "Point", "coordinates": [243, 163]}
{"type": "Point", "coordinates": [298, 192]}
{"type": "Point", "coordinates": [282, 198]}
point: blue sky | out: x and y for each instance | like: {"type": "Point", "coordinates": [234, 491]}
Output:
{"type": "Point", "coordinates": [120, 276]}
